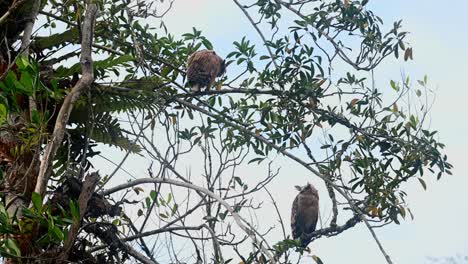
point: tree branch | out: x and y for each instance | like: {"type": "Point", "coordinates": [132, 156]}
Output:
{"type": "Point", "coordinates": [340, 51]}
{"type": "Point", "coordinates": [26, 39]}
{"type": "Point", "coordinates": [335, 230]}
{"type": "Point", "coordinates": [298, 160]}
{"type": "Point", "coordinates": [237, 218]}
{"type": "Point", "coordinates": [10, 10]}
{"type": "Point", "coordinates": [107, 232]}
{"type": "Point", "coordinates": [86, 192]}
{"type": "Point", "coordinates": [258, 31]}
{"type": "Point", "coordinates": [62, 118]}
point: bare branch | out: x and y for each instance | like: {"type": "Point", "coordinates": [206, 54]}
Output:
{"type": "Point", "coordinates": [237, 218]}
{"type": "Point", "coordinates": [84, 82]}
{"type": "Point", "coordinates": [26, 39]}
{"type": "Point", "coordinates": [335, 230]}
{"type": "Point", "coordinates": [86, 192]}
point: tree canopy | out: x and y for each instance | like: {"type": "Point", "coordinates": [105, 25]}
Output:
{"type": "Point", "coordinates": [111, 73]}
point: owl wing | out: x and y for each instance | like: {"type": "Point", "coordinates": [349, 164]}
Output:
{"type": "Point", "coordinates": [313, 221]}
{"type": "Point", "coordinates": [310, 213]}
{"type": "Point", "coordinates": [296, 219]}
{"type": "Point", "coordinates": [190, 60]}
{"type": "Point", "coordinates": [310, 216]}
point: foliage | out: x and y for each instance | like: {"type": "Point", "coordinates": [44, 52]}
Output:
{"type": "Point", "coordinates": [363, 141]}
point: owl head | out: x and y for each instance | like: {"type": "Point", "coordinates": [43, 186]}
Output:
{"type": "Point", "coordinates": [307, 189]}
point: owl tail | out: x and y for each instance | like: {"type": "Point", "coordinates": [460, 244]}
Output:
{"type": "Point", "coordinates": [305, 240]}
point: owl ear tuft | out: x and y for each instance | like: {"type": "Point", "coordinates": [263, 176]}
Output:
{"type": "Point", "coordinates": [299, 188]}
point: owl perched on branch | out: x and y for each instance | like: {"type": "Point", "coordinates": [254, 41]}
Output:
{"type": "Point", "coordinates": [202, 69]}
{"type": "Point", "coordinates": [304, 213]}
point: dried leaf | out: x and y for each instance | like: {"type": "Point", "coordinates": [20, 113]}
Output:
{"type": "Point", "coordinates": [321, 82]}
{"type": "Point", "coordinates": [408, 54]}
{"type": "Point", "coordinates": [346, 3]}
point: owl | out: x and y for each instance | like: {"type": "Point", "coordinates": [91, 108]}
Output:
{"type": "Point", "coordinates": [304, 214]}
{"type": "Point", "coordinates": [202, 69]}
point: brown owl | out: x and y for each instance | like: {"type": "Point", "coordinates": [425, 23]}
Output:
{"type": "Point", "coordinates": [202, 69]}
{"type": "Point", "coordinates": [304, 213]}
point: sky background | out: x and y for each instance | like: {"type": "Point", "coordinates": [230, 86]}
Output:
{"type": "Point", "coordinates": [439, 38]}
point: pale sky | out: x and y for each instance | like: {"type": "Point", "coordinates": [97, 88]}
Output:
{"type": "Point", "coordinates": [439, 38]}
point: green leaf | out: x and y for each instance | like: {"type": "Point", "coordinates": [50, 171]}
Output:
{"type": "Point", "coordinates": [22, 62]}
{"type": "Point", "coordinates": [207, 44]}
{"type": "Point", "coordinates": [317, 259]}
{"type": "Point", "coordinates": [162, 215]}
{"type": "Point", "coordinates": [153, 195]}
{"type": "Point", "coordinates": [35, 117]}
{"type": "Point", "coordinates": [169, 198]}
{"type": "Point", "coordinates": [423, 183]}
{"type": "Point", "coordinates": [402, 211]}
{"type": "Point", "coordinates": [13, 247]}
{"type": "Point", "coordinates": [37, 201]}
{"type": "Point", "coordinates": [259, 160]}
{"type": "Point", "coordinates": [414, 121]}
{"type": "Point", "coordinates": [108, 63]}
{"type": "Point", "coordinates": [394, 85]}
{"type": "Point", "coordinates": [57, 233]}
{"type": "Point", "coordinates": [165, 71]}
{"type": "Point", "coordinates": [3, 113]}
{"type": "Point", "coordinates": [174, 209]}
{"type": "Point", "coordinates": [75, 210]}
{"type": "Point", "coordinates": [27, 81]}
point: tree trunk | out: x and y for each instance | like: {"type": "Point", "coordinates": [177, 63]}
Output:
{"type": "Point", "coordinates": [18, 159]}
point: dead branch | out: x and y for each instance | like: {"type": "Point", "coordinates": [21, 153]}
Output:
{"type": "Point", "coordinates": [86, 192]}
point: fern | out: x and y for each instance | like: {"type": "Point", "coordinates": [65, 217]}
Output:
{"type": "Point", "coordinates": [107, 130]}
{"type": "Point", "coordinates": [107, 64]}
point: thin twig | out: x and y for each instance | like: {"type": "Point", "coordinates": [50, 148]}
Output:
{"type": "Point", "coordinates": [339, 50]}
{"type": "Point", "coordinates": [258, 31]}
{"type": "Point", "coordinates": [237, 218]}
